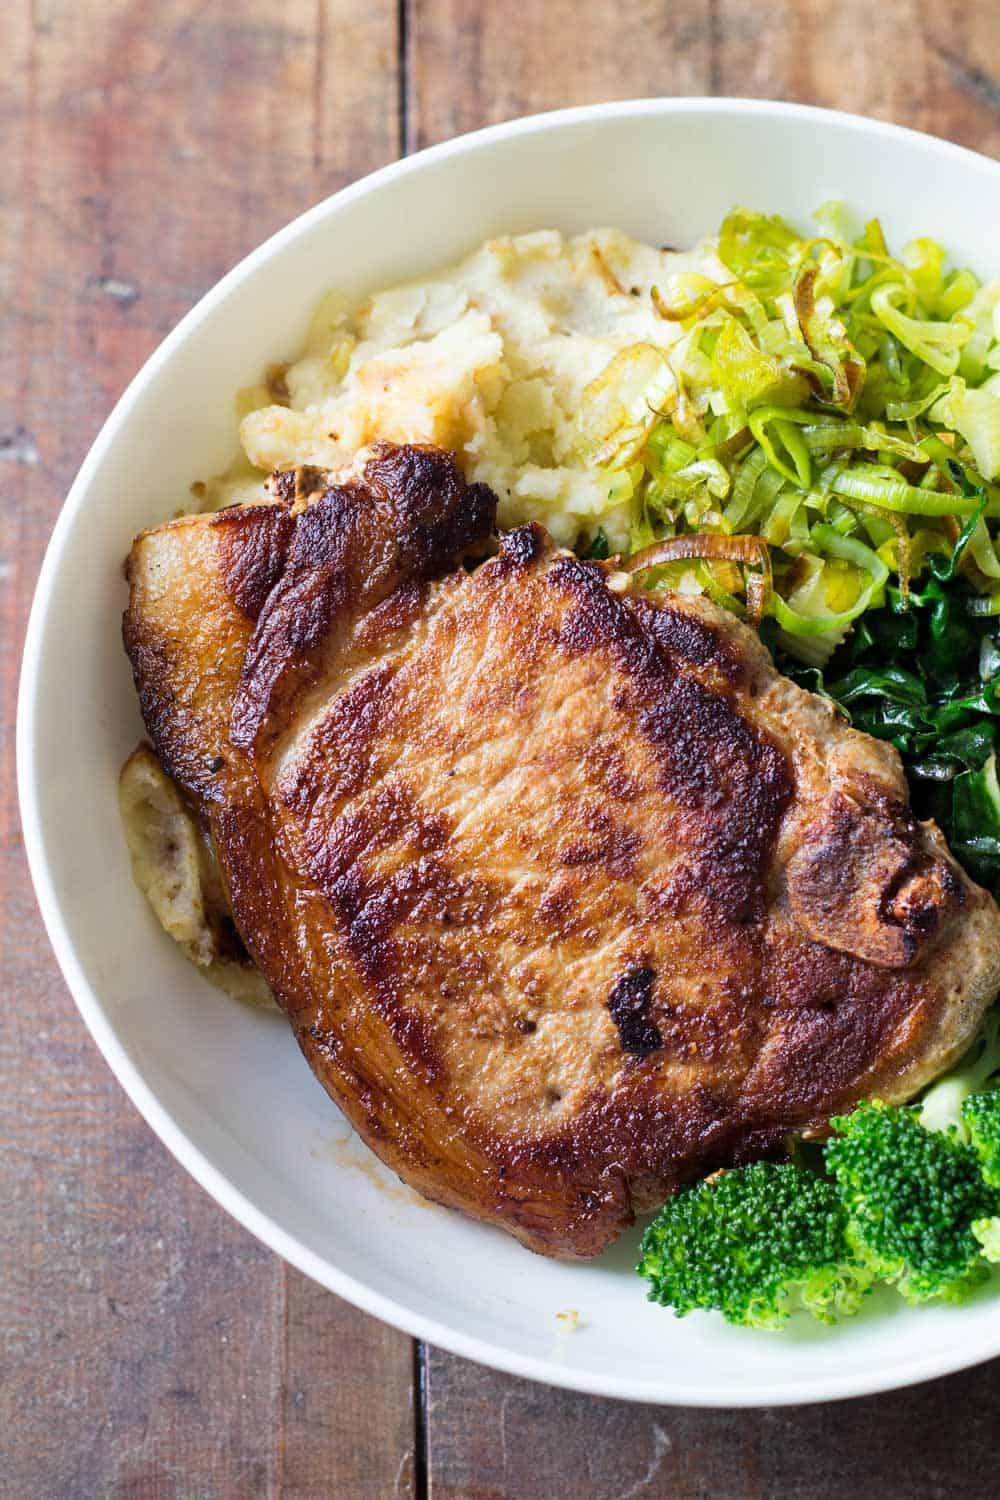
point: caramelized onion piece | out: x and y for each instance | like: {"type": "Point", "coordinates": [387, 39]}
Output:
{"type": "Point", "coordinates": [903, 555]}
{"type": "Point", "coordinates": [848, 374]}
{"type": "Point", "coordinates": [668, 314]}
{"type": "Point", "coordinates": [605, 272]}
{"type": "Point", "coordinates": [904, 550]}
{"type": "Point", "coordinates": [752, 550]}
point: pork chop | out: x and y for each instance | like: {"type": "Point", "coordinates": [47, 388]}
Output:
{"type": "Point", "coordinates": [568, 895]}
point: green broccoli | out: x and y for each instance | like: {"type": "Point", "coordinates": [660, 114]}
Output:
{"type": "Point", "coordinates": [987, 1232]}
{"type": "Point", "coordinates": [981, 1118]}
{"type": "Point", "coordinates": [911, 1196]}
{"type": "Point", "coordinates": [754, 1243]}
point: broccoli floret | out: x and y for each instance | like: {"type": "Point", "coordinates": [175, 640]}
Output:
{"type": "Point", "coordinates": [911, 1196]}
{"type": "Point", "coordinates": [753, 1243]}
{"type": "Point", "coordinates": [981, 1118]}
{"type": "Point", "coordinates": [987, 1232]}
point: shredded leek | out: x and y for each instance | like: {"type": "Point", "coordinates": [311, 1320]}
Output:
{"type": "Point", "coordinates": [975, 416]}
{"type": "Point", "coordinates": [882, 486]}
{"type": "Point", "coordinates": [836, 401]}
{"type": "Point", "coordinates": [795, 465]}
{"type": "Point", "coordinates": [937, 344]}
{"type": "Point", "coordinates": [831, 544]}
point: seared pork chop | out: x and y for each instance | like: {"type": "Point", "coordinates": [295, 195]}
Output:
{"type": "Point", "coordinates": [568, 895]}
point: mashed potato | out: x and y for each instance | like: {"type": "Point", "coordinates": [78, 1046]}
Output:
{"type": "Point", "coordinates": [491, 358]}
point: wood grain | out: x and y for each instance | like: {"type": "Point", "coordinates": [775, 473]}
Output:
{"type": "Point", "coordinates": [474, 64]}
{"type": "Point", "coordinates": [492, 1437]}
{"type": "Point", "coordinates": [151, 1348]}
{"type": "Point", "coordinates": [928, 66]}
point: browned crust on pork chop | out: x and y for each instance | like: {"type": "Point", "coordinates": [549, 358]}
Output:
{"type": "Point", "coordinates": [568, 895]}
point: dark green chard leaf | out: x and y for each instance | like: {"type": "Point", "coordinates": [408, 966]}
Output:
{"type": "Point", "coordinates": [894, 683]}
{"type": "Point", "coordinates": [972, 746]}
{"type": "Point", "coordinates": [967, 749]}
{"type": "Point", "coordinates": [599, 548]}
{"type": "Point", "coordinates": [890, 629]}
{"type": "Point", "coordinates": [945, 568]}
{"type": "Point", "coordinates": [810, 678]}
{"type": "Point", "coordinates": [951, 640]}
{"type": "Point", "coordinates": [977, 803]}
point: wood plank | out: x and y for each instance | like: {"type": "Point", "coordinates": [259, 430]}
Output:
{"type": "Point", "coordinates": [490, 1436]}
{"type": "Point", "coordinates": [474, 64]}
{"type": "Point", "coordinates": [150, 1347]}
{"type": "Point", "coordinates": [348, 1426]}
{"type": "Point", "coordinates": [923, 66]}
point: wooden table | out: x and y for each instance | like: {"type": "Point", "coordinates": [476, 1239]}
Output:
{"type": "Point", "coordinates": [151, 1348]}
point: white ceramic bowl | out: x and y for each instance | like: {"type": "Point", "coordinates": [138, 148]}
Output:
{"type": "Point", "coordinates": [225, 1088]}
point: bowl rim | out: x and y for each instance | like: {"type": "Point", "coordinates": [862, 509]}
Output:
{"type": "Point", "coordinates": [30, 794]}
